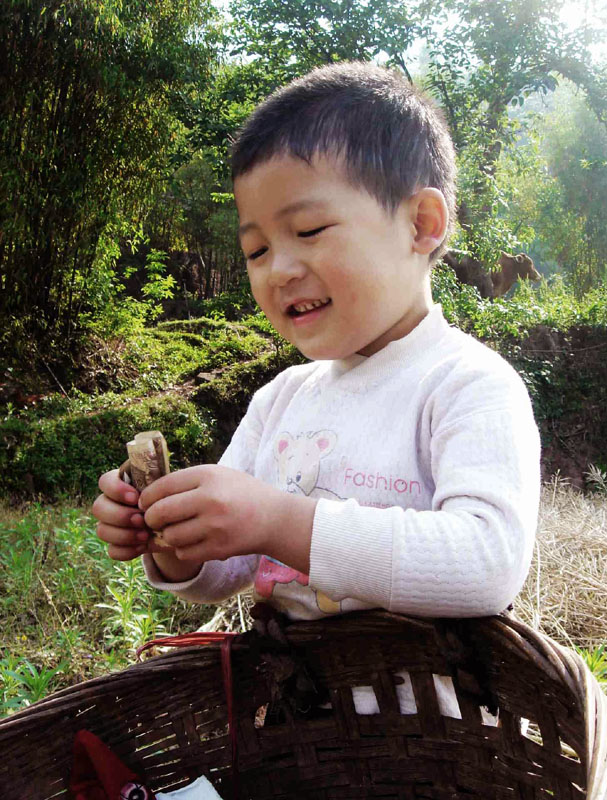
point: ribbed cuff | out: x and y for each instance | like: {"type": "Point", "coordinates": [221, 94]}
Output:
{"type": "Point", "coordinates": [351, 552]}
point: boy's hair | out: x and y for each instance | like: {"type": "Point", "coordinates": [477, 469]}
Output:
{"type": "Point", "coordinates": [393, 138]}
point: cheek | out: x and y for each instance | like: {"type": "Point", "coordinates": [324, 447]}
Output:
{"type": "Point", "coordinates": [257, 286]}
{"type": "Point", "coordinates": [345, 284]}
{"type": "Point", "coordinates": [264, 298]}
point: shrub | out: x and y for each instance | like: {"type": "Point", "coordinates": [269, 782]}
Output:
{"type": "Point", "coordinates": [66, 454]}
{"type": "Point", "coordinates": [227, 397]}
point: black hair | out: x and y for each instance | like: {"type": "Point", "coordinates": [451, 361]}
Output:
{"type": "Point", "coordinates": [393, 138]}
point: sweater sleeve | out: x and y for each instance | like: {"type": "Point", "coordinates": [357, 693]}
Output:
{"type": "Point", "coordinates": [469, 554]}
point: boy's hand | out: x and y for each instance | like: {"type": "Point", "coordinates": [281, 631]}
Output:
{"type": "Point", "coordinates": [212, 512]}
{"type": "Point", "coordinates": [120, 522]}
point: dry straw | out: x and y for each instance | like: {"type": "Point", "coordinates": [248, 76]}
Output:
{"type": "Point", "coordinates": [565, 595]}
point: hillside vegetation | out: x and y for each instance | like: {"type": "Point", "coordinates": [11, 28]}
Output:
{"type": "Point", "coordinates": [193, 379]}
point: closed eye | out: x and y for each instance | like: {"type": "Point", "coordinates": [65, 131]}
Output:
{"type": "Point", "coordinates": [256, 254]}
{"type": "Point", "coordinates": [314, 232]}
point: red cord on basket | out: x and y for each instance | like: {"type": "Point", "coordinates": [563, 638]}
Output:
{"type": "Point", "coordinates": [199, 638]}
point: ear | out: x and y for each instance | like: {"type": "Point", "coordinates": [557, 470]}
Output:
{"type": "Point", "coordinates": [430, 218]}
{"type": "Point", "coordinates": [325, 442]}
{"type": "Point", "coordinates": [284, 441]}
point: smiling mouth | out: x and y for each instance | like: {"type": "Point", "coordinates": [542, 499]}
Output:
{"type": "Point", "coordinates": [300, 309]}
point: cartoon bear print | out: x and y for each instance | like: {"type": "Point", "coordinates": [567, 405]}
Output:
{"type": "Point", "coordinates": [299, 462]}
{"type": "Point", "coordinates": [298, 471]}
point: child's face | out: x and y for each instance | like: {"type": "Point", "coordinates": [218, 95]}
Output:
{"type": "Point", "coordinates": [335, 273]}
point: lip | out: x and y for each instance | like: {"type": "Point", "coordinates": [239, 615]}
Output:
{"type": "Point", "coordinates": [309, 317]}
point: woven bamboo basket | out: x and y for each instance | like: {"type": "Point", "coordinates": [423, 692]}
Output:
{"type": "Point", "coordinates": [167, 717]}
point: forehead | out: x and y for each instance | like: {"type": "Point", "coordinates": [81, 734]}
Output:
{"type": "Point", "coordinates": [286, 184]}
{"type": "Point", "coordinates": [289, 167]}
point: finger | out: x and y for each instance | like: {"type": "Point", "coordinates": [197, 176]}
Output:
{"type": "Point", "coordinates": [174, 509]}
{"type": "Point", "coordinates": [106, 510]}
{"type": "Point", "coordinates": [175, 483]}
{"type": "Point", "coordinates": [183, 534]}
{"type": "Point", "coordinates": [201, 552]}
{"type": "Point", "coordinates": [118, 553]}
{"type": "Point", "coordinates": [116, 489]}
{"type": "Point", "coordinates": [123, 537]}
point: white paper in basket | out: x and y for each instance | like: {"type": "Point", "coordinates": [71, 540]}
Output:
{"type": "Point", "coordinates": [201, 789]}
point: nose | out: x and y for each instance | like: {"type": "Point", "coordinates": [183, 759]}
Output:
{"type": "Point", "coordinates": [286, 266]}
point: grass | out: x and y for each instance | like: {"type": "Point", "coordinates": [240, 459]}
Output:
{"type": "Point", "coordinates": [69, 613]}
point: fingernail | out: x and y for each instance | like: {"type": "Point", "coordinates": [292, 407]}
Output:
{"type": "Point", "coordinates": [142, 536]}
{"type": "Point", "coordinates": [131, 497]}
{"type": "Point", "coordinates": [141, 548]}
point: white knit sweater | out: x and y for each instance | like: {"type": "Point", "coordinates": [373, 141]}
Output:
{"type": "Point", "coordinates": [425, 457]}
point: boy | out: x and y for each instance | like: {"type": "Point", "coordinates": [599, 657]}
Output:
{"type": "Point", "coordinates": [400, 468]}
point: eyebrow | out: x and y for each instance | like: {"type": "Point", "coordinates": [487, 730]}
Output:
{"type": "Point", "coordinates": [285, 211]}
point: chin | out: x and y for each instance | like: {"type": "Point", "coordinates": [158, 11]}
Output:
{"type": "Point", "coordinates": [315, 355]}
{"type": "Point", "coordinates": [324, 353]}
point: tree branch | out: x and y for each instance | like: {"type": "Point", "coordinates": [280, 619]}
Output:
{"type": "Point", "coordinates": [399, 61]}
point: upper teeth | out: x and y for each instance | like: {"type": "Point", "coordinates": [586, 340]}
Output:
{"type": "Point", "coordinates": [312, 304]}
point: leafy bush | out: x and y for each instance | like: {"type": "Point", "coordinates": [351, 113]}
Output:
{"type": "Point", "coordinates": [553, 303]}
{"type": "Point", "coordinates": [230, 306]}
{"type": "Point", "coordinates": [125, 316]}
{"type": "Point", "coordinates": [66, 454]}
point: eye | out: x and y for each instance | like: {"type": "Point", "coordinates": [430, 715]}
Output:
{"type": "Point", "coordinates": [134, 791]}
{"type": "Point", "coordinates": [306, 234]}
{"type": "Point", "coordinates": [256, 254]}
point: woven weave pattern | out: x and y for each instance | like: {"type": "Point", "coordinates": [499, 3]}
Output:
{"type": "Point", "coordinates": [166, 717]}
